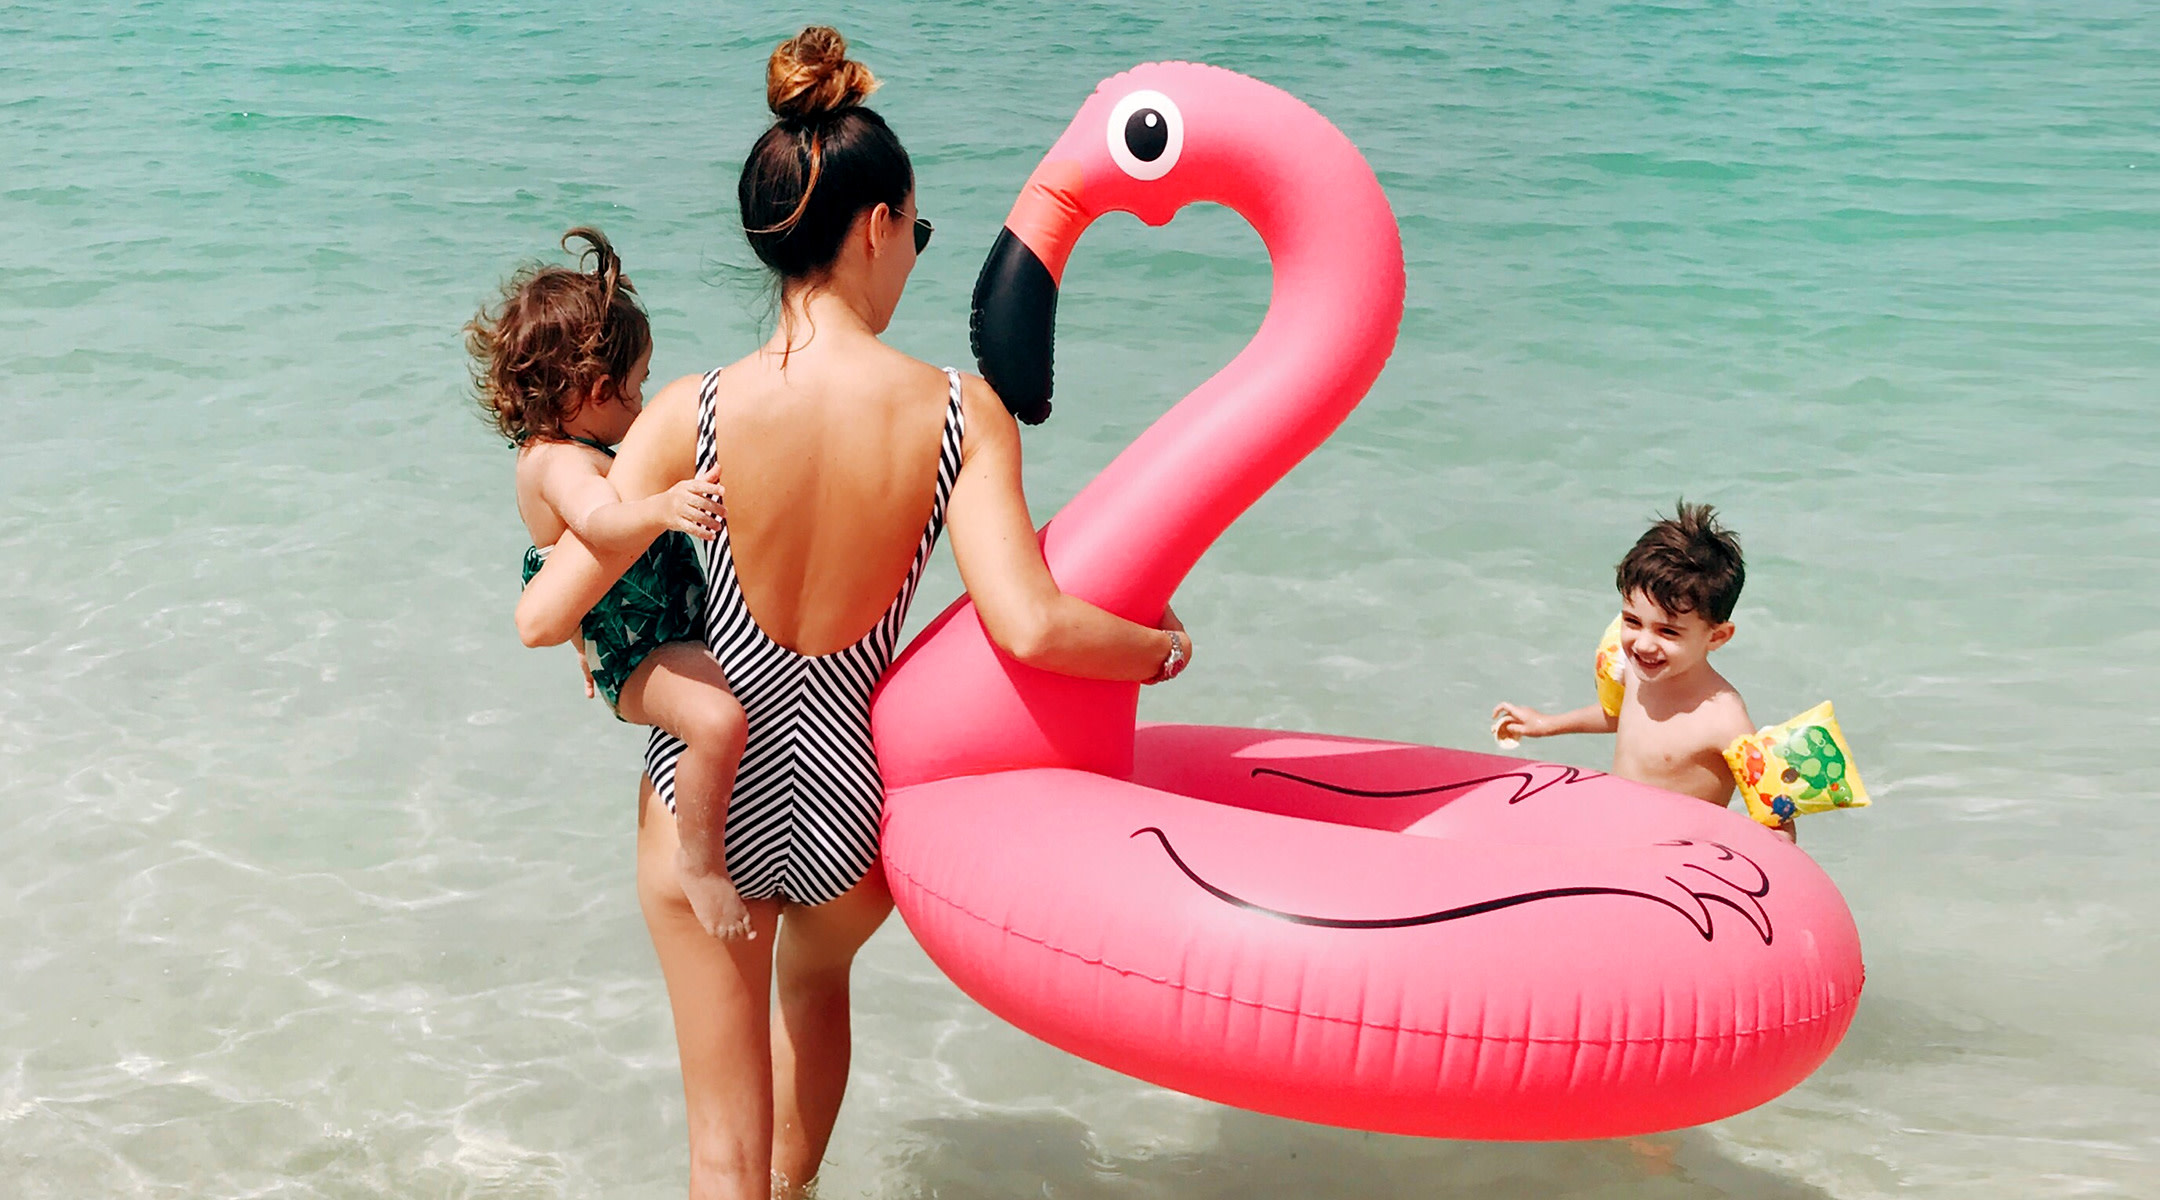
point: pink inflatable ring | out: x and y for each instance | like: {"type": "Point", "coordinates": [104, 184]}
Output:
{"type": "Point", "coordinates": [1387, 937]}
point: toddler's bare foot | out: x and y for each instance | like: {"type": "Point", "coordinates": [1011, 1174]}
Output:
{"type": "Point", "coordinates": [718, 906]}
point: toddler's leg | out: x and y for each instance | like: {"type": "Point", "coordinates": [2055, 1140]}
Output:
{"type": "Point", "coordinates": [682, 690]}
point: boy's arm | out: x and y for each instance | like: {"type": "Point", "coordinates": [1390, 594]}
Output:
{"type": "Point", "coordinates": [1525, 721]}
{"type": "Point", "coordinates": [1738, 724]}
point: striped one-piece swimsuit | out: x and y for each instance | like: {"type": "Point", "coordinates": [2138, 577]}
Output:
{"type": "Point", "coordinates": [802, 824]}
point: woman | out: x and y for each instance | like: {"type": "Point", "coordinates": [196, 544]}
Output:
{"type": "Point", "coordinates": [843, 459]}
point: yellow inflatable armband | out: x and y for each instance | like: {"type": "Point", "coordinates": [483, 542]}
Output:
{"type": "Point", "coordinates": [1611, 670]}
{"type": "Point", "coordinates": [1800, 766]}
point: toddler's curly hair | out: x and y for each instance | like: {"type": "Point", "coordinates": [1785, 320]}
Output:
{"type": "Point", "coordinates": [554, 333]}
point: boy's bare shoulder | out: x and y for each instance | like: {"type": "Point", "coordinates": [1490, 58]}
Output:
{"type": "Point", "coordinates": [1724, 715]}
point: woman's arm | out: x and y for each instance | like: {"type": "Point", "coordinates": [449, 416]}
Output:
{"type": "Point", "coordinates": [1001, 564]}
{"type": "Point", "coordinates": [659, 452]}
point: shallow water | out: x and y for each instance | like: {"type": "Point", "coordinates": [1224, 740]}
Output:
{"type": "Point", "coordinates": [300, 894]}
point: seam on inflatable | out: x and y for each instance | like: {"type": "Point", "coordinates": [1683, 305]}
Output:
{"type": "Point", "coordinates": [1835, 1008]}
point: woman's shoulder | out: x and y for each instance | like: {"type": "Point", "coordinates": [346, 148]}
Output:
{"type": "Point", "coordinates": [672, 412]}
{"type": "Point", "coordinates": [905, 371]}
{"type": "Point", "coordinates": [679, 396]}
{"type": "Point", "coordinates": [662, 442]}
{"type": "Point", "coordinates": [980, 408]}
{"type": "Point", "coordinates": [984, 411]}
{"type": "Point", "coordinates": [984, 419]}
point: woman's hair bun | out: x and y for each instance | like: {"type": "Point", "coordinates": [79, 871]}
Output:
{"type": "Point", "coordinates": [811, 76]}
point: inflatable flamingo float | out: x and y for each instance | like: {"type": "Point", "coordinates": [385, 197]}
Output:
{"type": "Point", "coordinates": [1388, 937]}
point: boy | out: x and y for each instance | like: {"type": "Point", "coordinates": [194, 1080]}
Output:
{"type": "Point", "coordinates": [1677, 590]}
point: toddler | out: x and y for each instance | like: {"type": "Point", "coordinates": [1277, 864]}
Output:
{"type": "Point", "coordinates": [560, 370]}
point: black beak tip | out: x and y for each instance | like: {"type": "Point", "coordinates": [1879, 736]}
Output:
{"type": "Point", "coordinates": [1012, 327]}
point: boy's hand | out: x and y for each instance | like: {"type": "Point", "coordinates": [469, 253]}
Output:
{"type": "Point", "coordinates": [1512, 721]}
{"type": "Point", "coordinates": [694, 506]}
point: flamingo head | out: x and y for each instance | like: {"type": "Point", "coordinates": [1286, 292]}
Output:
{"type": "Point", "coordinates": [1148, 142]}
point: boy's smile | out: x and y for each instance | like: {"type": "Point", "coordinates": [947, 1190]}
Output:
{"type": "Point", "coordinates": [1662, 644]}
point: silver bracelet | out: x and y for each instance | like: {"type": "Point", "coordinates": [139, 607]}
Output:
{"type": "Point", "coordinates": [1173, 662]}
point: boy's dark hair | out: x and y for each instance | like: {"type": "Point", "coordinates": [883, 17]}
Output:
{"type": "Point", "coordinates": [556, 333]}
{"type": "Point", "coordinates": [1686, 563]}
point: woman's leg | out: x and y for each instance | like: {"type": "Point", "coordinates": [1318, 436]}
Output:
{"type": "Point", "coordinates": [810, 1037]}
{"type": "Point", "coordinates": [720, 994]}
{"type": "Point", "coordinates": [682, 690]}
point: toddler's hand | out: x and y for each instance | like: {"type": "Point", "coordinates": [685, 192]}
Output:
{"type": "Point", "coordinates": [584, 667]}
{"type": "Point", "coordinates": [695, 506]}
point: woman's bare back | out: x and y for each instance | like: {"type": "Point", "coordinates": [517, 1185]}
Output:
{"type": "Point", "coordinates": [830, 467]}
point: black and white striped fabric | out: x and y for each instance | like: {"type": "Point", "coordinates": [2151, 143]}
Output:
{"type": "Point", "coordinates": [802, 824]}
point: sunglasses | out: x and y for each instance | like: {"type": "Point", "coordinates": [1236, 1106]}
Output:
{"type": "Point", "coordinates": [923, 230]}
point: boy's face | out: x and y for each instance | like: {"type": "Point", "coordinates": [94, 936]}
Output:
{"type": "Point", "coordinates": [1664, 645]}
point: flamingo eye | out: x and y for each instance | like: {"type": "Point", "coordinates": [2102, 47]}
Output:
{"type": "Point", "coordinates": [1146, 133]}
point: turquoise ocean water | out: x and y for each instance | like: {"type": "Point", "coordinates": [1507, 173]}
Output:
{"type": "Point", "coordinates": [314, 883]}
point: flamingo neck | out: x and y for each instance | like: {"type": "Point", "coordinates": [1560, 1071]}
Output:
{"type": "Point", "coordinates": [1130, 537]}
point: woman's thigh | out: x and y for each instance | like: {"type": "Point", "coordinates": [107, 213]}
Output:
{"type": "Point", "coordinates": [719, 993]}
{"type": "Point", "coordinates": [826, 937]}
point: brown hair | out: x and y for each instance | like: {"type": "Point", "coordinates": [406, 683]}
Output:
{"type": "Point", "coordinates": [825, 159]}
{"type": "Point", "coordinates": [1686, 563]}
{"type": "Point", "coordinates": [555, 333]}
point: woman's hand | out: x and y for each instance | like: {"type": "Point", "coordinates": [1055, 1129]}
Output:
{"type": "Point", "coordinates": [1001, 564]}
{"type": "Point", "coordinates": [1171, 624]}
{"type": "Point", "coordinates": [694, 506]}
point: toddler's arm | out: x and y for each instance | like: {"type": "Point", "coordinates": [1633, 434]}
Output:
{"type": "Point", "coordinates": [612, 526]}
{"type": "Point", "coordinates": [1519, 720]}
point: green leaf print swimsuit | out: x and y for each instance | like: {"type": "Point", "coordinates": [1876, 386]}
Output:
{"type": "Point", "coordinates": [660, 599]}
